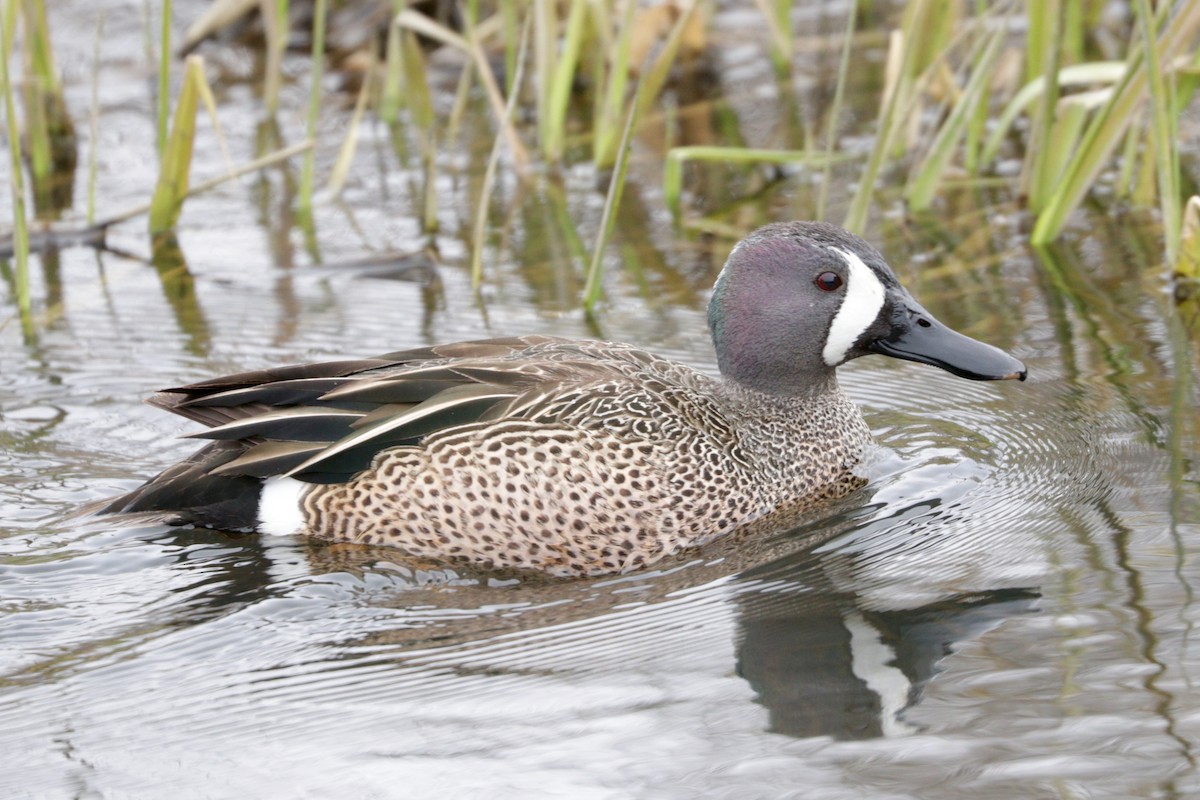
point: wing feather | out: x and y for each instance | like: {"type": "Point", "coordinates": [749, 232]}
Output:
{"type": "Point", "coordinates": [325, 422]}
{"type": "Point", "coordinates": [451, 408]}
{"type": "Point", "coordinates": [303, 424]}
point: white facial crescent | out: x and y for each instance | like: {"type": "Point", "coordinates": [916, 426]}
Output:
{"type": "Point", "coordinates": [860, 307]}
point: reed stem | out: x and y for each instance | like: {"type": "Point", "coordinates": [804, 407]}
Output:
{"type": "Point", "coordinates": [308, 167]}
{"type": "Point", "coordinates": [16, 181]}
{"type": "Point", "coordinates": [164, 77]}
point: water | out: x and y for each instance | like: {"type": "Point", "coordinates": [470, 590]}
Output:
{"type": "Point", "coordinates": [1006, 610]}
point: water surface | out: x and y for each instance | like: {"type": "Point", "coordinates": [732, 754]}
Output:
{"type": "Point", "coordinates": [1006, 610]}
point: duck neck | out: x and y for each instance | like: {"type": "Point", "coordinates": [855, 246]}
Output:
{"type": "Point", "coordinates": [822, 427]}
{"type": "Point", "coordinates": [797, 401]}
{"type": "Point", "coordinates": [782, 391]}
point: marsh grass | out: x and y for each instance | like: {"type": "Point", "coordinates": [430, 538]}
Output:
{"type": "Point", "coordinates": [1083, 122]}
{"type": "Point", "coordinates": [275, 25]}
{"type": "Point", "coordinates": [1117, 115]}
{"type": "Point", "coordinates": [835, 110]}
{"type": "Point", "coordinates": [163, 104]}
{"type": "Point", "coordinates": [49, 133]}
{"type": "Point", "coordinates": [945, 117]}
{"type": "Point", "coordinates": [175, 170]}
{"type": "Point", "coordinates": [17, 183]}
{"type": "Point", "coordinates": [308, 169]}
{"type": "Point", "coordinates": [612, 200]}
{"type": "Point", "coordinates": [478, 230]}
{"type": "Point", "coordinates": [909, 70]}
{"type": "Point", "coordinates": [94, 122]}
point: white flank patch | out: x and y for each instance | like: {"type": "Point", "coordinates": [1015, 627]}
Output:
{"type": "Point", "coordinates": [860, 307]}
{"type": "Point", "coordinates": [279, 506]}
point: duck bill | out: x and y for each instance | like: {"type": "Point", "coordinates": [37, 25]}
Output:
{"type": "Point", "coordinates": [917, 336]}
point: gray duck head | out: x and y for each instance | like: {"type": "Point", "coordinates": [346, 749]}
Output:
{"type": "Point", "coordinates": [797, 299]}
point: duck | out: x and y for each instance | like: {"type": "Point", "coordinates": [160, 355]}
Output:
{"type": "Point", "coordinates": [561, 456]}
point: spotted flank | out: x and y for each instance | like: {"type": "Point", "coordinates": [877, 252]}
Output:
{"type": "Point", "coordinates": [562, 456]}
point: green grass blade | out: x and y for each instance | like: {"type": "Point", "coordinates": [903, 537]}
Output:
{"type": "Point", "coordinates": [304, 197]}
{"type": "Point", "coordinates": [50, 136]}
{"type": "Point", "coordinates": [274, 15]}
{"type": "Point", "coordinates": [545, 42]}
{"type": "Point", "coordinates": [419, 23]}
{"type": "Point", "coordinates": [1061, 142]}
{"type": "Point", "coordinates": [458, 109]}
{"type": "Point", "coordinates": [1163, 131]}
{"type": "Point", "coordinates": [553, 121]}
{"type": "Point", "coordinates": [391, 97]}
{"type": "Point", "coordinates": [1041, 37]}
{"type": "Point", "coordinates": [1107, 72]}
{"type": "Point", "coordinates": [609, 114]}
{"type": "Point", "coordinates": [591, 289]}
{"type": "Point", "coordinates": [205, 93]}
{"type": "Point", "coordinates": [417, 97]}
{"type": "Point", "coordinates": [42, 51]}
{"type": "Point", "coordinates": [673, 183]}
{"type": "Point", "coordinates": [1123, 185]}
{"type": "Point", "coordinates": [489, 175]}
{"type": "Point", "coordinates": [835, 110]}
{"type": "Point", "coordinates": [655, 77]}
{"type": "Point", "coordinates": [37, 130]}
{"type": "Point", "coordinates": [164, 77]}
{"type": "Point", "coordinates": [856, 215]}
{"type": "Point", "coordinates": [94, 122]}
{"type": "Point", "coordinates": [17, 183]}
{"type": "Point", "coordinates": [173, 175]}
{"type": "Point", "coordinates": [429, 209]}
{"type": "Point", "coordinates": [341, 167]}
{"type": "Point", "coordinates": [1187, 80]}
{"type": "Point", "coordinates": [921, 190]}
{"type": "Point", "coordinates": [10, 23]}
{"type": "Point", "coordinates": [405, 84]}
{"type": "Point", "coordinates": [510, 24]}
{"type": "Point", "coordinates": [1034, 168]}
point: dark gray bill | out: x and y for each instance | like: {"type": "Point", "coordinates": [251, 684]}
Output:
{"type": "Point", "coordinates": [917, 336]}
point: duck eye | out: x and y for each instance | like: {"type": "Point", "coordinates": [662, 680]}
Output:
{"type": "Point", "coordinates": [828, 281]}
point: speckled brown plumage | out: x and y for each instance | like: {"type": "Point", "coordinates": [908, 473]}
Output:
{"type": "Point", "coordinates": [638, 459]}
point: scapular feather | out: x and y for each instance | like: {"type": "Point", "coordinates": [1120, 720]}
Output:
{"type": "Point", "coordinates": [449, 409]}
{"type": "Point", "coordinates": [276, 393]}
{"type": "Point", "coordinates": [269, 458]}
{"type": "Point", "coordinates": [305, 424]}
{"type": "Point", "coordinates": [322, 369]}
{"type": "Point", "coordinates": [388, 390]}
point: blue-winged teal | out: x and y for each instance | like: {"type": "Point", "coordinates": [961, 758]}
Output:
{"type": "Point", "coordinates": [568, 457]}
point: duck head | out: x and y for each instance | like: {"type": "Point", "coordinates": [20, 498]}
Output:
{"type": "Point", "coordinates": [795, 300]}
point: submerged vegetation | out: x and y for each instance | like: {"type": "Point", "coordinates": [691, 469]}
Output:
{"type": "Point", "coordinates": [1051, 104]}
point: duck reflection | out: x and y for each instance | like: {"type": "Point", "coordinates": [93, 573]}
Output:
{"type": "Point", "coordinates": [822, 666]}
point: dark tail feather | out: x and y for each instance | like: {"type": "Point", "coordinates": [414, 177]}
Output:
{"type": "Point", "coordinates": [186, 494]}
